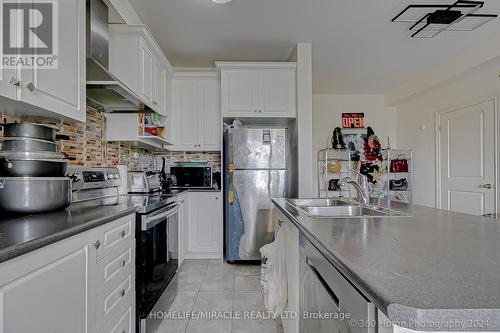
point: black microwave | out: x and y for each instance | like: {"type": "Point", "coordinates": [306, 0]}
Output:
{"type": "Point", "coordinates": [191, 177]}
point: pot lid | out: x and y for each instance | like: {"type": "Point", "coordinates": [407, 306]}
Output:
{"type": "Point", "coordinates": [33, 155]}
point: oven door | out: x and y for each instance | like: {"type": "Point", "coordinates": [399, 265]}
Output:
{"type": "Point", "coordinates": [157, 256]}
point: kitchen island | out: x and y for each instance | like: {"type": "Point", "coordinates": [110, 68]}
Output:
{"type": "Point", "coordinates": [432, 270]}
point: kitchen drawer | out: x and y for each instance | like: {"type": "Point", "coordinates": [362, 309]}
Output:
{"type": "Point", "coordinates": [118, 236]}
{"type": "Point", "coordinates": [121, 320]}
{"type": "Point", "coordinates": [107, 302]}
{"type": "Point", "coordinates": [112, 270]}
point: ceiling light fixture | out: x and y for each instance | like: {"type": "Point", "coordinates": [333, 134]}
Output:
{"type": "Point", "coordinates": [222, 1]}
{"type": "Point", "coordinates": [430, 20]}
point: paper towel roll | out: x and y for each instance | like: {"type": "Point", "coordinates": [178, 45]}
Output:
{"type": "Point", "coordinates": [123, 171]}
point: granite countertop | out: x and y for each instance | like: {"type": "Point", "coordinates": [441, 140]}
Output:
{"type": "Point", "coordinates": [426, 271]}
{"type": "Point", "coordinates": [22, 234]}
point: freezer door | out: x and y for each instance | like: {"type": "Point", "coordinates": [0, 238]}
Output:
{"type": "Point", "coordinates": [259, 148]}
{"type": "Point", "coordinates": [255, 189]}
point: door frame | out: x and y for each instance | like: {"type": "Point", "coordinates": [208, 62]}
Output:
{"type": "Point", "coordinates": [438, 116]}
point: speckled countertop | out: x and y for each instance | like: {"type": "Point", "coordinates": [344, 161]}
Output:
{"type": "Point", "coordinates": [25, 233]}
{"type": "Point", "coordinates": [21, 234]}
{"type": "Point", "coordinates": [425, 272]}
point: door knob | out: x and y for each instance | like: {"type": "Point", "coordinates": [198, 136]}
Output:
{"type": "Point", "coordinates": [30, 86]}
{"type": "Point", "coordinates": [487, 186]}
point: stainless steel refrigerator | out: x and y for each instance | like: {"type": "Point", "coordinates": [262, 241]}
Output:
{"type": "Point", "coordinates": [255, 171]}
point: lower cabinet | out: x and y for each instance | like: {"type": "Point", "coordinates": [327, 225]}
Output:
{"type": "Point", "coordinates": [65, 287]}
{"type": "Point", "coordinates": [204, 227]}
{"type": "Point", "coordinates": [291, 323]}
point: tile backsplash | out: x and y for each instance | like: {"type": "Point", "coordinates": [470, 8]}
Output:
{"type": "Point", "coordinates": [86, 144]}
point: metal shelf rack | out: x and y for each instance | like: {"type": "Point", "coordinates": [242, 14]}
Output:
{"type": "Point", "coordinates": [325, 156]}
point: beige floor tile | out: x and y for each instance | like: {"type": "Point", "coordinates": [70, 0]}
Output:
{"type": "Point", "coordinates": [248, 300]}
{"type": "Point", "coordinates": [214, 301]}
{"type": "Point", "coordinates": [254, 326]}
{"type": "Point", "coordinates": [209, 326]}
{"type": "Point", "coordinates": [247, 270]}
{"type": "Point", "coordinates": [243, 282]}
{"type": "Point", "coordinates": [217, 282]}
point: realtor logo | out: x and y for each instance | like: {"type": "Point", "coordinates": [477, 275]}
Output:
{"type": "Point", "coordinates": [29, 34]}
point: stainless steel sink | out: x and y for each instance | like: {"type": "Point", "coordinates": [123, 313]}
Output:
{"type": "Point", "coordinates": [318, 202]}
{"type": "Point", "coordinates": [340, 208]}
{"type": "Point", "coordinates": [340, 211]}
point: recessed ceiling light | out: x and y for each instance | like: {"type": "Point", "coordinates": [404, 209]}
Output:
{"type": "Point", "coordinates": [222, 1]}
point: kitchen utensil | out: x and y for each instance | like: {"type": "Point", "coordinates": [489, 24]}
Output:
{"type": "Point", "coordinates": [400, 164]}
{"type": "Point", "coordinates": [32, 168]}
{"type": "Point", "coordinates": [28, 145]}
{"type": "Point", "coordinates": [333, 185]}
{"type": "Point", "coordinates": [34, 194]}
{"type": "Point", "coordinates": [163, 176]}
{"type": "Point", "coordinates": [29, 130]}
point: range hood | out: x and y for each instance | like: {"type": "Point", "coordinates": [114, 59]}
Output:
{"type": "Point", "coordinates": [105, 92]}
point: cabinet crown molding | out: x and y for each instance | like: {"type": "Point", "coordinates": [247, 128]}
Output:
{"type": "Point", "coordinates": [262, 65]}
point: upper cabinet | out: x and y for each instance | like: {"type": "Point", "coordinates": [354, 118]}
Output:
{"type": "Point", "coordinates": [138, 61]}
{"type": "Point", "coordinates": [258, 89]}
{"type": "Point", "coordinates": [196, 122]}
{"type": "Point", "coordinates": [57, 92]}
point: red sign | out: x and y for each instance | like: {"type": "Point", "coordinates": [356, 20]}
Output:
{"type": "Point", "coordinates": [353, 120]}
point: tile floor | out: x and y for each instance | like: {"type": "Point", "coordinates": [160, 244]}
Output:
{"type": "Point", "coordinates": [211, 285]}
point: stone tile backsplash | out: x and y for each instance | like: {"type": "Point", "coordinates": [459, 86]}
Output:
{"type": "Point", "coordinates": [87, 145]}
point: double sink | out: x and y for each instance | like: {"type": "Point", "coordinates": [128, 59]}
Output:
{"type": "Point", "coordinates": [339, 208]}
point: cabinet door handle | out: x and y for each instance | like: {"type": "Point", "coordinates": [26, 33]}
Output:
{"type": "Point", "coordinates": [97, 244]}
{"type": "Point", "coordinates": [123, 233]}
{"type": "Point", "coordinates": [123, 263]}
{"type": "Point", "coordinates": [30, 86]}
{"type": "Point", "coordinates": [122, 293]}
{"type": "Point", "coordinates": [487, 186]}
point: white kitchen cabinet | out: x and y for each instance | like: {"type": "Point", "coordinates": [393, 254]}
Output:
{"type": "Point", "coordinates": [258, 89]}
{"type": "Point", "coordinates": [196, 123]}
{"type": "Point", "coordinates": [58, 92]}
{"type": "Point", "coordinates": [47, 291]}
{"type": "Point", "coordinates": [138, 61]}
{"type": "Point", "coordinates": [183, 221]}
{"type": "Point", "coordinates": [63, 287]}
{"type": "Point", "coordinates": [290, 325]}
{"type": "Point", "coordinates": [204, 228]}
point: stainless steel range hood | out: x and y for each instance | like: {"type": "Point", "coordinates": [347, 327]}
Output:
{"type": "Point", "coordinates": [104, 91]}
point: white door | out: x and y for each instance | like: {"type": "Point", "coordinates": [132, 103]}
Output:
{"type": "Point", "coordinates": [205, 224]}
{"type": "Point", "coordinates": [210, 122]}
{"type": "Point", "coordinates": [277, 93]}
{"type": "Point", "coordinates": [146, 72]}
{"type": "Point", "coordinates": [185, 111]}
{"type": "Point", "coordinates": [62, 90]}
{"type": "Point", "coordinates": [467, 139]}
{"type": "Point", "coordinates": [50, 298]}
{"type": "Point", "coordinates": [240, 93]}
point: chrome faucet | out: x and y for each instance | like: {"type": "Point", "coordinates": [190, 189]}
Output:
{"type": "Point", "coordinates": [361, 186]}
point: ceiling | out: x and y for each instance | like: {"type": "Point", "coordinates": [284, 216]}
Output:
{"type": "Point", "coordinates": [356, 49]}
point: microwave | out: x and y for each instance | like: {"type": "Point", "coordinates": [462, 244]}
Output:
{"type": "Point", "coordinates": [191, 177]}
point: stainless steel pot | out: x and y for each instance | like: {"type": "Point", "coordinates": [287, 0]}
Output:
{"type": "Point", "coordinates": [29, 145]}
{"type": "Point", "coordinates": [29, 130]}
{"type": "Point", "coordinates": [34, 194]}
{"type": "Point", "coordinates": [32, 164]}
{"type": "Point", "coordinates": [32, 168]}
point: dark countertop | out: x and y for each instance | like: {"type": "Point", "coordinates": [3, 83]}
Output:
{"type": "Point", "coordinates": [424, 271]}
{"type": "Point", "coordinates": [22, 234]}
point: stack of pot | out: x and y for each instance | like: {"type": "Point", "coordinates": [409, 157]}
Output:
{"type": "Point", "coordinates": [32, 170]}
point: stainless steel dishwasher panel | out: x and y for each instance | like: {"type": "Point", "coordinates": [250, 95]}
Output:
{"type": "Point", "coordinates": [324, 290]}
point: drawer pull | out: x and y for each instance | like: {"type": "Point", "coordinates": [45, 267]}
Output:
{"type": "Point", "coordinates": [97, 244]}
{"type": "Point", "coordinates": [122, 293]}
{"type": "Point", "coordinates": [123, 263]}
{"type": "Point", "coordinates": [122, 234]}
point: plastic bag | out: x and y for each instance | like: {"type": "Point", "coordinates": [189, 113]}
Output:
{"type": "Point", "coordinates": [273, 279]}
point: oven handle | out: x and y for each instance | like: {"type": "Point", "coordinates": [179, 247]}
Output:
{"type": "Point", "coordinates": [148, 223]}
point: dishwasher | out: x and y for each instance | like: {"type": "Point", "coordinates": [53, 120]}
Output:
{"type": "Point", "coordinates": [328, 302]}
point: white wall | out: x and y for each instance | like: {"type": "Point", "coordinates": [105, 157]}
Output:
{"type": "Point", "coordinates": [327, 114]}
{"type": "Point", "coordinates": [415, 121]}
